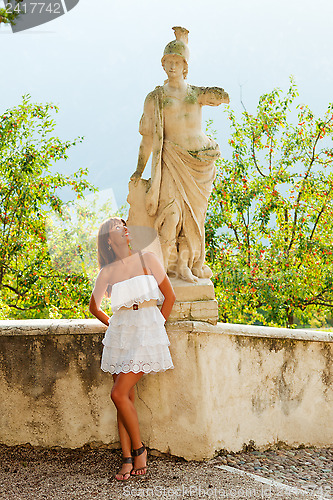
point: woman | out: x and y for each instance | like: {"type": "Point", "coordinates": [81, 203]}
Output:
{"type": "Point", "coordinates": [135, 341]}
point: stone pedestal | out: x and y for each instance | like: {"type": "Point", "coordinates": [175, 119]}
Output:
{"type": "Point", "coordinates": [194, 301]}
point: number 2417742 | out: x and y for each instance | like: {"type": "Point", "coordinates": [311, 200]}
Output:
{"type": "Point", "coordinates": [34, 8]}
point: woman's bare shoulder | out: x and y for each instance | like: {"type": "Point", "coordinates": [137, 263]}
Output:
{"type": "Point", "coordinates": [107, 273]}
{"type": "Point", "coordinates": [151, 257]}
{"type": "Point", "coordinates": [155, 265]}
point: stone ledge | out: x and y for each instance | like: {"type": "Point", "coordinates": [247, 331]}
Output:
{"type": "Point", "coordinates": [250, 331]}
{"type": "Point", "coordinates": [51, 326]}
{"type": "Point", "coordinates": [93, 326]}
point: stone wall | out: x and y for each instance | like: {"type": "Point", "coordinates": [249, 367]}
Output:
{"type": "Point", "coordinates": [232, 384]}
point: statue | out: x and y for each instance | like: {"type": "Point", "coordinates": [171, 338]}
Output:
{"type": "Point", "coordinates": [183, 162]}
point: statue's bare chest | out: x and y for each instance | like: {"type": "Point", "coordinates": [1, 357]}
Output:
{"type": "Point", "coordinates": [177, 105]}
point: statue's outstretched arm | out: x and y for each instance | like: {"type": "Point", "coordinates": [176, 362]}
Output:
{"type": "Point", "coordinates": [212, 96]}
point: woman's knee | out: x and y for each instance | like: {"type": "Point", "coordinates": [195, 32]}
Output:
{"type": "Point", "coordinates": [118, 396]}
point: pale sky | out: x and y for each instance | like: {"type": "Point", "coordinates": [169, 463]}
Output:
{"type": "Point", "coordinates": [98, 62]}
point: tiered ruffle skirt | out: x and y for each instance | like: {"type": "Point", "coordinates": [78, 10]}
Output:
{"type": "Point", "coordinates": [136, 341]}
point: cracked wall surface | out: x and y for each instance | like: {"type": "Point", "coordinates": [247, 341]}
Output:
{"type": "Point", "coordinates": [230, 386]}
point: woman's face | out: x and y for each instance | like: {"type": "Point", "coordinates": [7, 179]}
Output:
{"type": "Point", "coordinates": [118, 233]}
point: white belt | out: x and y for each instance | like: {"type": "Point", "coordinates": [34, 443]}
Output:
{"type": "Point", "coordinates": [139, 305]}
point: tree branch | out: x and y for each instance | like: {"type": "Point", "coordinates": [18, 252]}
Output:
{"type": "Point", "coordinates": [253, 137]}
{"type": "Point", "coordinates": [317, 220]}
{"type": "Point", "coordinates": [248, 241]}
{"type": "Point", "coordinates": [301, 189]}
{"type": "Point", "coordinates": [232, 226]}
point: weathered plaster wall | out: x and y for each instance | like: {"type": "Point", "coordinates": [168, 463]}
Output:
{"type": "Point", "coordinates": [231, 384]}
{"type": "Point", "coordinates": [52, 389]}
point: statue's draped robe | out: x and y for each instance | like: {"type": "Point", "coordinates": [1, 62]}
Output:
{"type": "Point", "coordinates": [181, 183]}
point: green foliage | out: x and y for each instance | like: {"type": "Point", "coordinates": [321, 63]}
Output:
{"type": "Point", "coordinates": [30, 284]}
{"type": "Point", "coordinates": [269, 222]}
{"type": "Point", "coordinates": [11, 12]}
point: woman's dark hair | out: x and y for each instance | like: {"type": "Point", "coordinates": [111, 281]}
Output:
{"type": "Point", "coordinates": [105, 253]}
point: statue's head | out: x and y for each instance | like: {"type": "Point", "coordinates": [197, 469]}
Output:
{"type": "Point", "coordinates": [178, 47]}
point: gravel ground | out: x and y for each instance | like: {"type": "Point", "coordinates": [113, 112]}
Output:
{"type": "Point", "coordinates": [41, 473]}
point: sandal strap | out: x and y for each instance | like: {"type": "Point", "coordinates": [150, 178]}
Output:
{"type": "Point", "coordinates": [127, 460]}
{"type": "Point", "coordinates": [139, 451]}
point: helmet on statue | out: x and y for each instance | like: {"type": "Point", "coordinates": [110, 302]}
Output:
{"type": "Point", "coordinates": [178, 47]}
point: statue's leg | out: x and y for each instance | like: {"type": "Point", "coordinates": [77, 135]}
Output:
{"type": "Point", "coordinates": [200, 269]}
{"type": "Point", "coordinates": [167, 232]}
{"type": "Point", "coordinates": [183, 269]}
{"type": "Point", "coordinates": [173, 259]}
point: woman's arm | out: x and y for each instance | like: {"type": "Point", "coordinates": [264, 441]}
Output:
{"type": "Point", "coordinates": [170, 297]}
{"type": "Point", "coordinates": [163, 283]}
{"type": "Point", "coordinates": [97, 296]}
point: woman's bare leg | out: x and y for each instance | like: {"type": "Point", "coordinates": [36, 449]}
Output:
{"type": "Point", "coordinates": [129, 431]}
{"type": "Point", "coordinates": [125, 440]}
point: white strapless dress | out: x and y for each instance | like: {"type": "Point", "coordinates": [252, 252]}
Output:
{"type": "Point", "coordinates": [136, 340]}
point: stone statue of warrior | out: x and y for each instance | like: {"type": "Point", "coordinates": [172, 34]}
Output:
{"type": "Point", "coordinates": [183, 162]}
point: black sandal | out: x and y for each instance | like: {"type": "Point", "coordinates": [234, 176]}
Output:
{"type": "Point", "coordinates": [136, 453]}
{"type": "Point", "coordinates": [126, 460]}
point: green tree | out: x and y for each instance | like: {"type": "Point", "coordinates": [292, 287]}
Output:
{"type": "Point", "coordinates": [29, 193]}
{"type": "Point", "coordinates": [269, 221]}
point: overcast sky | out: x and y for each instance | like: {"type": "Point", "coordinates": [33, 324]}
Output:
{"type": "Point", "coordinates": [98, 62]}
